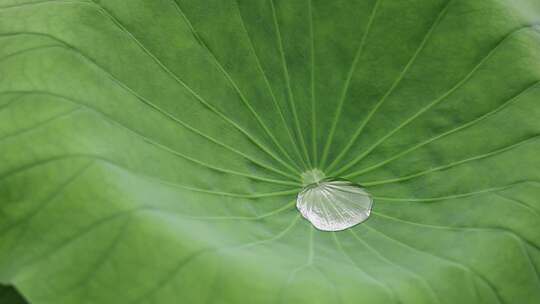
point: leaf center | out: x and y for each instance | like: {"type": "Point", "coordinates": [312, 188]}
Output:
{"type": "Point", "coordinates": [313, 176]}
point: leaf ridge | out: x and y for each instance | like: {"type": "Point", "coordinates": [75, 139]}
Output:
{"type": "Point", "coordinates": [458, 265]}
{"type": "Point", "coordinates": [294, 144]}
{"type": "Point", "coordinates": [403, 72]}
{"type": "Point", "coordinates": [345, 88]}
{"type": "Point", "coordinates": [288, 82]}
{"type": "Point", "coordinates": [423, 281]}
{"type": "Point", "coordinates": [456, 163]}
{"type": "Point", "coordinates": [115, 21]}
{"type": "Point", "coordinates": [436, 101]}
{"type": "Point", "coordinates": [122, 85]}
{"type": "Point", "coordinates": [236, 88]}
{"type": "Point", "coordinates": [481, 118]}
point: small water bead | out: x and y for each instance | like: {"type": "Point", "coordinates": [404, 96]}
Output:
{"type": "Point", "coordinates": [332, 204]}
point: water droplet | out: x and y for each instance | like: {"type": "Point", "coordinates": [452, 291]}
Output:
{"type": "Point", "coordinates": [332, 205]}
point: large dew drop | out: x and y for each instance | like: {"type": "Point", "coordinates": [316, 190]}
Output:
{"type": "Point", "coordinates": [332, 205]}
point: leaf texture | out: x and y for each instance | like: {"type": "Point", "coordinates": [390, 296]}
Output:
{"type": "Point", "coordinates": [152, 151]}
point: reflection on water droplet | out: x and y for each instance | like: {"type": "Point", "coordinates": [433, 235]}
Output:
{"type": "Point", "coordinates": [333, 205]}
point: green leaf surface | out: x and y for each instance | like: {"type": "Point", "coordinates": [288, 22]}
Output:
{"type": "Point", "coordinates": [8, 295]}
{"type": "Point", "coordinates": [151, 150]}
